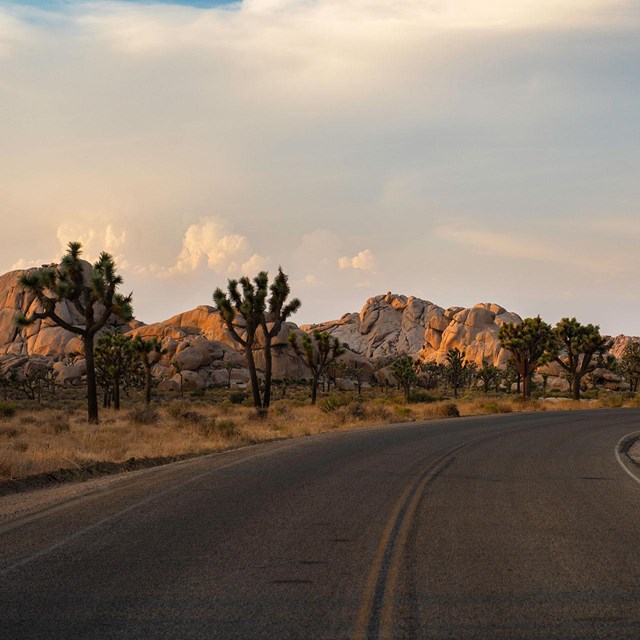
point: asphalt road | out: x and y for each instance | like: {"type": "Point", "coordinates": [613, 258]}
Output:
{"type": "Point", "coordinates": [520, 526]}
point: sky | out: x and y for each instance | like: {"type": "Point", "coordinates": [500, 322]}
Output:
{"type": "Point", "coordinates": [453, 150]}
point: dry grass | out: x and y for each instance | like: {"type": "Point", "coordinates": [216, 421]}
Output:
{"type": "Point", "coordinates": [34, 441]}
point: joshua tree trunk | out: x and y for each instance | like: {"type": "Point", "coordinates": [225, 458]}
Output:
{"type": "Point", "coordinates": [147, 383]}
{"type": "Point", "coordinates": [314, 389]}
{"type": "Point", "coordinates": [268, 359]}
{"type": "Point", "coordinates": [92, 390]}
{"type": "Point", "coordinates": [575, 386]}
{"type": "Point", "coordinates": [253, 374]}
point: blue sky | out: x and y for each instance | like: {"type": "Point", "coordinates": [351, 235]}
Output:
{"type": "Point", "coordinates": [54, 4]}
{"type": "Point", "coordinates": [461, 152]}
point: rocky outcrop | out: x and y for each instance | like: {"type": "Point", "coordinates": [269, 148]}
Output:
{"type": "Point", "coordinates": [393, 325]}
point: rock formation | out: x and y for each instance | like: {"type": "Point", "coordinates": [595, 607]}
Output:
{"type": "Point", "coordinates": [202, 353]}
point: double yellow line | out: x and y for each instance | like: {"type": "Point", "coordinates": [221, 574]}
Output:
{"type": "Point", "coordinates": [375, 616]}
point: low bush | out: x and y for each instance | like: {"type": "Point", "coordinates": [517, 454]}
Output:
{"type": "Point", "coordinates": [226, 427]}
{"type": "Point", "coordinates": [356, 410]}
{"type": "Point", "coordinates": [59, 422]}
{"type": "Point", "coordinates": [237, 397]}
{"type": "Point", "coordinates": [612, 400]}
{"type": "Point", "coordinates": [208, 428]}
{"type": "Point", "coordinates": [450, 410]}
{"type": "Point", "coordinates": [7, 409]}
{"type": "Point", "coordinates": [9, 432]}
{"type": "Point", "coordinates": [402, 412]}
{"type": "Point", "coordinates": [333, 402]}
{"type": "Point", "coordinates": [144, 416]}
{"type": "Point", "coordinates": [422, 396]}
{"type": "Point", "coordinates": [176, 409]}
{"type": "Point", "coordinates": [498, 407]}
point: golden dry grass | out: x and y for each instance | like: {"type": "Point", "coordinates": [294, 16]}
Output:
{"type": "Point", "coordinates": [34, 441]}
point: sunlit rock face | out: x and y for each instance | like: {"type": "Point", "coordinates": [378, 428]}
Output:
{"type": "Point", "coordinates": [391, 325]}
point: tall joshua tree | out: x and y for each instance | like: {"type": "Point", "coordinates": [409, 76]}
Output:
{"type": "Point", "coordinates": [577, 346]}
{"type": "Point", "coordinates": [259, 311]}
{"type": "Point", "coordinates": [317, 352]}
{"type": "Point", "coordinates": [531, 343]}
{"type": "Point", "coordinates": [92, 291]}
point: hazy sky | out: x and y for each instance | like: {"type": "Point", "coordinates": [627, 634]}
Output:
{"type": "Point", "coordinates": [460, 151]}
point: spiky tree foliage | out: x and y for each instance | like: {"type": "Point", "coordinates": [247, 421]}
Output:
{"type": "Point", "coordinates": [629, 365]}
{"type": "Point", "coordinates": [576, 348]}
{"type": "Point", "coordinates": [279, 310]}
{"type": "Point", "coordinates": [405, 370]}
{"type": "Point", "coordinates": [117, 366]}
{"type": "Point", "coordinates": [149, 352]}
{"type": "Point", "coordinates": [317, 351]}
{"type": "Point", "coordinates": [431, 374]}
{"type": "Point", "coordinates": [92, 291]}
{"type": "Point", "coordinates": [252, 301]}
{"type": "Point", "coordinates": [531, 343]}
{"type": "Point", "coordinates": [456, 370]}
{"type": "Point", "coordinates": [488, 374]}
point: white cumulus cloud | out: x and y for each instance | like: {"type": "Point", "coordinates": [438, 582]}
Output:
{"type": "Point", "coordinates": [364, 261]}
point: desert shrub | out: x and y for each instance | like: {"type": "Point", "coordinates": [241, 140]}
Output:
{"type": "Point", "coordinates": [379, 411]}
{"type": "Point", "coordinates": [59, 422]}
{"type": "Point", "coordinates": [402, 412]}
{"type": "Point", "coordinates": [356, 410]}
{"type": "Point", "coordinates": [498, 407]}
{"type": "Point", "coordinates": [144, 415]}
{"type": "Point", "coordinates": [612, 401]}
{"type": "Point", "coordinates": [226, 427]}
{"type": "Point", "coordinates": [9, 432]}
{"type": "Point", "coordinates": [194, 417]}
{"type": "Point", "coordinates": [7, 409]}
{"type": "Point", "coordinates": [419, 395]}
{"type": "Point", "coordinates": [175, 409]}
{"type": "Point", "coordinates": [450, 410]}
{"type": "Point", "coordinates": [198, 393]}
{"type": "Point", "coordinates": [333, 402]}
{"type": "Point", "coordinates": [208, 428]}
{"type": "Point", "coordinates": [237, 397]}
{"type": "Point", "coordinates": [28, 419]}
{"type": "Point", "coordinates": [21, 446]}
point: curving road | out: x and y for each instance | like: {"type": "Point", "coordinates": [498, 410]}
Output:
{"type": "Point", "coordinates": [520, 526]}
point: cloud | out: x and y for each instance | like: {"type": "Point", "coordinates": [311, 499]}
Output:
{"type": "Point", "coordinates": [209, 241]}
{"type": "Point", "coordinates": [363, 261]}
{"type": "Point", "coordinates": [94, 239]}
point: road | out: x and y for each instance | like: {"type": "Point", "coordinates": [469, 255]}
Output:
{"type": "Point", "coordinates": [517, 526]}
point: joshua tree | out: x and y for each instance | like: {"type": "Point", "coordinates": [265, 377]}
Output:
{"type": "Point", "coordinates": [629, 365]}
{"type": "Point", "coordinates": [405, 371]}
{"type": "Point", "coordinates": [91, 291]}
{"type": "Point", "coordinates": [488, 374]}
{"type": "Point", "coordinates": [531, 343]}
{"type": "Point", "coordinates": [150, 353]}
{"type": "Point", "coordinates": [431, 373]}
{"type": "Point", "coordinates": [229, 365]}
{"type": "Point", "coordinates": [456, 369]}
{"type": "Point", "coordinates": [117, 365]}
{"type": "Point", "coordinates": [357, 371]}
{"type": "Point", "coordinates": [257, 313]}
{"type": "Point", "coordinates": [317, 351]}
{"type": "Point", "coordinates": [576, 347]}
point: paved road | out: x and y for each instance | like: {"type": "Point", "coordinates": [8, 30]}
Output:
{"type": "Point", "coordinates": [521, 526]}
